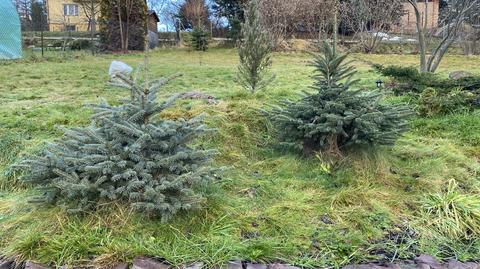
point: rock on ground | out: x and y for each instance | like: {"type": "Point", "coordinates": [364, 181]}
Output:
{"type": "Point", "coordinates": [148, 263]}
{"type": "Point", "coordinates": [459, 75]}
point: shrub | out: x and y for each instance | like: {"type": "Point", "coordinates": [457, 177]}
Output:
{"type": "Point", "coordinates": [409, 79]}
{"type": "Point", "coordinates": [81, 44]}
{"type": "Point", "coordinates": [57, 43]}
{"type": "Point", "coordinates": [199, 39]}
{"type": "Point", "coordinates": [434, 102]}
{"type": "Point", "coordinates": [128, 154]}
{"type": "Point", "coordinates": [254, 51]}
{"type": "Point", "coordinates": [235, 30]}
{"type": "Point", "coordinates": [434, 95]}
{"type": "Point", "coordinates": [453, 214]}
{"type": "Point", "coordinates": [406, 79]}
{"type": "Point", "coordinates": [334, 117]}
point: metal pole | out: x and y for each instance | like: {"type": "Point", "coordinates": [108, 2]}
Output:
{"type": "Point", "coordinates": [41, 27]}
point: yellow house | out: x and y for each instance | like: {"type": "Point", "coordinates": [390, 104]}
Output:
{"type": "Point", "coordinates": [66, 15]}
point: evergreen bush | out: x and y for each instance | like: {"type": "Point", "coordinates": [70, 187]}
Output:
{"type": "Point", "coordinates": [199, 39]}
{"type": "Point", "coordinates": [254, 51]}
{"type": "Point", "coordinates": [129, 154]}
{"type": "Point", "coordinates": [81, 44]}
{"type": "Point", "coordinates": [434, 95]}
{"type": "Point", "coordinates": [433, 102]}
{"type": "Point", "coordinates": [333, 117]}
{"type": "Point", "coordinates": [406, 79]}
{"type": "Point", "coordinates": [409, 79]}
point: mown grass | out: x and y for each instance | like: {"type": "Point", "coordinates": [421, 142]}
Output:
{"type": "Point", "coordinates": [270, 205]}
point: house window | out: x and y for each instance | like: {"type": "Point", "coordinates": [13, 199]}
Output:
{"type": "Point", "coordinates": [70, 28]}
{"type": "Point", "coordinates": [70, 10]}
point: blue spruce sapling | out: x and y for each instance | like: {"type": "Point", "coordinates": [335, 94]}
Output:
{"type": "Point", "coordinates": [129, 154]}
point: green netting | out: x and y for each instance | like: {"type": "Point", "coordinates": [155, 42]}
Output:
{"type": "Point", "coordinates": [10, 35]}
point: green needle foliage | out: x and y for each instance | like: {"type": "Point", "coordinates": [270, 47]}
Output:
{"type": "Point", "coordinates": [199, 39]}
{"type": "Point", "coordinates": [128, 154]}
{"type": "Point", "coordinates": [254, 51]}
{"type": "Point", "coordinates": [334, 117]}
{"type": "Point", "coordinates": [453, 214]}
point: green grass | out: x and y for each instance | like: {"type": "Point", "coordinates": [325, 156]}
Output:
{"type": "Point", "coordinates": [270, 205]}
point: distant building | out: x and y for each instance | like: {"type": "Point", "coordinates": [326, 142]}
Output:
{"type": "Point", "coordinates": [429, 10]}
{"type": "Point", "coordinates": [152, 25]}
{"type": "Point", "coordinates": [66, 15]}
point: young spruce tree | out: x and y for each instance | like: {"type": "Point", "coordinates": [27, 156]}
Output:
{"type": "Point", "coordinates": [128, 154]}
{"type": "Point", "coordinates": [254, 51]}
{"type": "Point", "coordinates": [334, 117]}
{"type": "Point", "coordinates": [199, 39]}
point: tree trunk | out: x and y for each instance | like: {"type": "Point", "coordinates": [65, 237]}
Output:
{"type": "Point", "coordinates": [120, 24]}
{"type": "Point", "coordinates": [93, 24]}
{"type": "Point", "coordinates": [421, 37]}
{"type": "Point", "coordinates": [335, 27]}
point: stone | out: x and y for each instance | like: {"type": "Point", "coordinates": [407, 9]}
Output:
{"type": "Point", "coordinates": [325, 219]}
{"type": "Point", "coordinates": [199, 95]}
{"type": "Point", "coordinates": [198, 265]}
{"type": "Point", "coordinates": [455, 265]}
{"type": "Point", "coordinates": [430, 261]}
{"type": "Point", "coordinates": [363, 266]}
{"type": "Point", "coordinates": [233, 265]}
{"type": "Point", "coordinates": [256, 266]}
{"type": "Point", "coordinates": [32, 265]}
{"type": "Point", "coordinates": [148, 263]}
{"type": "Point", "coordinates": [459, 75]}
{"type": "Point", "coordinates": [6, 264]}
{"type": "Point", "coordinates": [120, 265]}
{"type": "Point", "coordinates": [408, 266]}
{"type": "Point", "coordinates": [472, 265]}
{"type": "Point", "coordinates": [281, 266]}
{"type": "Point", "coordinates": [393, 266]}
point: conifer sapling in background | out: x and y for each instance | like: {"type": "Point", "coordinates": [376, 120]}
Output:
{"type": "Point", "coordinates": [334, 117]}
{"type": "Point", "coordinates": [128, 154]}
{"type": "Point", "coordinates": [199, 39]}
{"type": "Point", "coordinates": [254, 51]}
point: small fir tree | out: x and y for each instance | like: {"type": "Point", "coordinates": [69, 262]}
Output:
{"type": "Point", "coordinates": [254, 51]}
{"type": "Point", "coordinates": [199, 39]}
{"type": "Point", "coordinates": [334, 118]}
{"type": "Point", "coordinates": [128, 154]}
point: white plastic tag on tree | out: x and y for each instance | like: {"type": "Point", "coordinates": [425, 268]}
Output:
{"type": "Point", "coordinates": [117, 67]}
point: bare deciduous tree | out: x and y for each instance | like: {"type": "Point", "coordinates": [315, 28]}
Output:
{"type": "Point", "coordinates": [368, 19]}
{"type": "Point", "coordinates": [91, 8]}
{"type": "Point", "coordinates": [284, 19]}
{"type": "Point", "coordinates": [194, 13]}
{"type": "Point", "coordinates": [455, 14]}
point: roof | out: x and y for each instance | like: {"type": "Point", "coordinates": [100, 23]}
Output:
{"type": "Point", "coordinates": [153, 13]}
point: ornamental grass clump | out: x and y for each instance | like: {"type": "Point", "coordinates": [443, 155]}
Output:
{"type": "Point", "coordinates": [453, 214]}
{"type": "Point", "coordinates": [129, 154]}
{"type": "Point", "coordinates": [334, 118]}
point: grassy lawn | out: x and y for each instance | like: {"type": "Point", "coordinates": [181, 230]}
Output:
{"type": "Point", "coordinates": [270, 205]}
